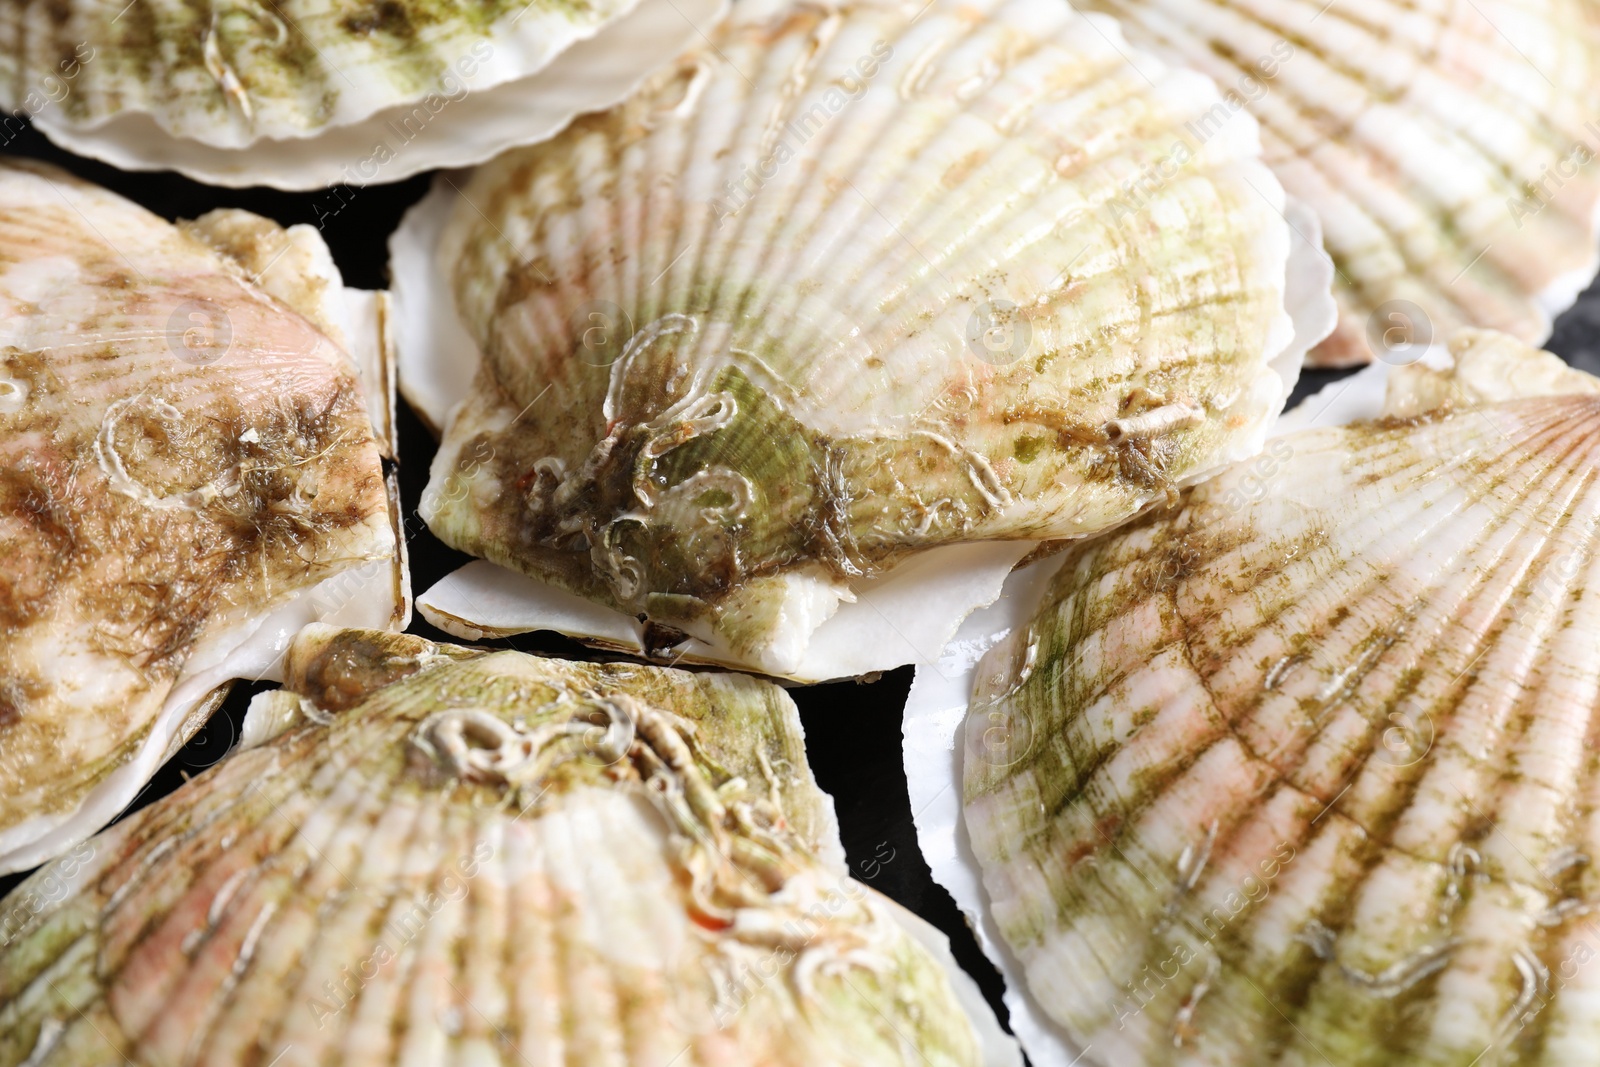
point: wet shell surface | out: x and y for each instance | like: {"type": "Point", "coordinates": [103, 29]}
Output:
{"type": "Point", "coordinates": [846, 287]}
{"type": "Point", "coordinates": [302, 94]}
{"type": "Point", "coordinates": [1303, 771]}
{"type": "Point", "coordinates": [432, 854]}
{"type": "Point", "coordinates": [187, 475]}
{"type": "Point", "coordinates": [1448, 148]}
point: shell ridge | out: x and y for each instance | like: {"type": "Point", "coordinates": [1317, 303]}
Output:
{"type": "Point", "coordinates": [1368, 652]}
{"type": "Point", "coordinates": [136, 891]}
{"type": "Point", "coordinates": [709, 349]}
{"type": "Point", "coordinates": [938, 213]}
{"type": "Point", "coordinates": [1370, 518]}
{"type": "Point", "coordinates": [154, 1004]}
{"type": "Point", "coordinates": [1414, 80]}
{"type": "Point", "coordinates": [280, 875]}
{"type": "Point", "coordinates": [383, 909]}
{"type": "Point", "coordinates": [1272, 782]}
{"type": "Point", "coordinates": [804, 215]}
{"type": "Point", "coordinates": [724, 118]}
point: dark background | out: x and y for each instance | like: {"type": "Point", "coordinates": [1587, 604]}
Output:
{"type": "Point", "coordinates": [852, 728]}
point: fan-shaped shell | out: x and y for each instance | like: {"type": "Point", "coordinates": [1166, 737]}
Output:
{"type": "Point", "coordinates": [1302, 770]}
{"type": "Point", "coordinates": [742, 341]}
{"type": "Point", "coordinates": [1448, 147]}
{"type": "Point", "coordinates": [451, 856]}
{"type": "Point", "coordinates": [301, 94]}
{"type": "Point", "coordinates": [187, 475]}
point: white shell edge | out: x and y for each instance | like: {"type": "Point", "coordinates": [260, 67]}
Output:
{"type": "Point", "coordinates": [903, 616]}
{"type": "Point", "coordinates": [931, 730]}
{"type": "Point", "coordinates": [435, 355]}
{"type": "Point", "coordinates": [1563, 290]}
{"type": "Point", "coordinates": [1307, 292]}
{"type": "Point", "coordinates": [590, 75]}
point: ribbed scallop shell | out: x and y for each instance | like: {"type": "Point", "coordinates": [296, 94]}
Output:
{"type": "Point", "coordinates": [847, 285]}
{"type": "Point", "coordinates": [301, 94]}
{"type": "Point", "coordinates": [1304, 770]}
{"type": "Point", "coordinates": [448, 856]}
{"type": "Point", "coordinates": [187, 475]}
{"type": "Point", "coordinates": [1448, 146]}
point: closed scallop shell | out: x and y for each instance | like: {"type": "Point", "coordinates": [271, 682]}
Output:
{"type": "Point", "coordinates": [1302, 770]}
{"type": "Point", "coordinates": [188, 473]}
{"type": "Point", "coordinates": [1447, 147]}
{"type": "Point", "coordinates": [433, 854]}
{"type": "Point", "coordinates": [301, 94]}
{"type": "Point", "coordinates": [845, 288]}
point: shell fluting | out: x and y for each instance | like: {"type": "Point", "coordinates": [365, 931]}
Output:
{"type": "Point", "coordinates": [1448, 148]}
{"type": "Point", "coordinates": [451, 856]}
{"type": "Point", "coordinates": [1304, 770]}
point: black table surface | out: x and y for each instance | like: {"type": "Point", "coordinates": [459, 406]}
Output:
{"type": "Point", "coordinates": [852, 728]}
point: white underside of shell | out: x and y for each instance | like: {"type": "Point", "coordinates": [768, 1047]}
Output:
{"type": "Point", "coordinates": [903, 616]}
{"type": "Point", "coordinates": [936, 707]}
{"type": "Point", "coordinates": [931, 730]}
{"type": "Point", "coordinates": [506, 104]}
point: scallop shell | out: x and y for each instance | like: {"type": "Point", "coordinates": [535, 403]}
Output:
{"type": "Point", "coordinates": [187, 475]}
{"type": "Point", "coordinates": [301, 94]}
{"type": "Point", "coordinates": [1301, 771]}
{"type": "Point", "coordinates": [432, 854]}
{"type": "Point", "coordinates": [1446, 146]}
{"type": "Point", "coordinates": [846, 287]}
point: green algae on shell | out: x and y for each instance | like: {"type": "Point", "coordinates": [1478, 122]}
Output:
{"type": "Point", "coordinates": [735, 339]}
{"type": "Point", "coordinates": [1302, 769]}
{"type": "Point", "coordinates": [187, 475]}
{"type": "Point", "coordinates": [302, 94]}
{"type": "Point", "coordinates": [426, 853]}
